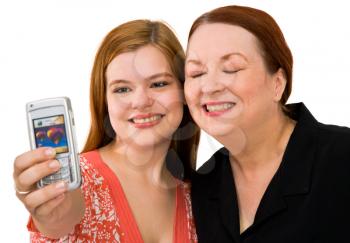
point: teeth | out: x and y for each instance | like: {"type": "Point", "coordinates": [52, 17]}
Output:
{"type": "Point", "coordinates": [221, 107]}
{"type": "Point", "coordinates": [146, 120]}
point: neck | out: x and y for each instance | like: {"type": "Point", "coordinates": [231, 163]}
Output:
{"type": "Point", "coordinates": [252, 149]}
{"type": "Point", "coordinates": [144, 164]}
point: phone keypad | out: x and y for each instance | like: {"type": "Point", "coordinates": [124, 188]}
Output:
{"type": "Point", "coordinates": [63, 174]}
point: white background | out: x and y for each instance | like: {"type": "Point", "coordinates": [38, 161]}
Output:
{"type": "Point", "coordinates": [47, 48]}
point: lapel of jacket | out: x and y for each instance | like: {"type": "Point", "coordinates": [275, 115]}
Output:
{"type": "Point", "coordinates": [222, 195]}
{"type": "Point", "coordinates": [294, 175]}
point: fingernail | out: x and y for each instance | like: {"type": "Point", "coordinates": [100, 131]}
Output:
{"type": "Point", "coordinates": [54, 164]}
{"type": "Point", "coordinates": [60, 185]}
{"type": "Point", "coordinates": [50, 151]}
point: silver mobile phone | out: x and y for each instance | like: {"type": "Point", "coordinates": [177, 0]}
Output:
{"type": "Point", "coordinates": [51, 124]}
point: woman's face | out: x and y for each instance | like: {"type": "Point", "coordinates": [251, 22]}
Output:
{"type": "Point", "coordinates": [227, 84]}
{"type": "Point", "coordinates": [145, 100]}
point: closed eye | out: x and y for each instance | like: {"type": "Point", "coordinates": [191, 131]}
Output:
{"type": "Point", "coordinates": [231, 71]}
{"type": "Point", "coordinates": [159, 84]}
{"type": "Point", "coordinates": [197, 75]}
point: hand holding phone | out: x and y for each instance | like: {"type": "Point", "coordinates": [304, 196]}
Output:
{"type": "Point", "coordinates": [51, 124]}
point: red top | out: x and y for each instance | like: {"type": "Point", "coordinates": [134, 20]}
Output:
{"type": "Point", "coordinates": [108, 217]}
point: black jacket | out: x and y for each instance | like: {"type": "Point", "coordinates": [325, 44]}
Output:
{"type": "Point", "coordinates": [308, 199]}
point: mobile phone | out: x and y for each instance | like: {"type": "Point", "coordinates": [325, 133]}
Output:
{"type": "Point", "coordinates": [51, 124]}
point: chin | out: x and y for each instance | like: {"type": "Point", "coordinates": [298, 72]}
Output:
{"type": "Point", "coordinates": [219, 129]}
{"type": "Point", "coordinates": [149, 141]}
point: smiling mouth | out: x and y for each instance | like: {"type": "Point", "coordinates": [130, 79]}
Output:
{"type": "Point", "coordinates": [218, 107]}
{"type": "Point", "coordinates": [146, 120]}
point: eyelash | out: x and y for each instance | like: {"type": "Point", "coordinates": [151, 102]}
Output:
{"type": "Point", "coordinates": [197, 75]}
{"type": "Point", "coordinates": [122, 90]}
{"type": "Point", "coordinates": [231, 71]}
{"type": "Point", "coordinates": [159, 84]}
{"type": "Point", "coordinates": [224, 71]}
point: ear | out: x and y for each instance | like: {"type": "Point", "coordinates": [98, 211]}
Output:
{"type": "Point", "coordinates": [279, 84]}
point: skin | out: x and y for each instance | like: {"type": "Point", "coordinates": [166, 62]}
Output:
{"type": "Point", "coordinates": [140, 85]}
{"type": "Point", "coordinates": [234, 98]}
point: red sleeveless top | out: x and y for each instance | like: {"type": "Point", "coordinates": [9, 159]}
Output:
{"type": "Point", "coordinates": [108, 217]}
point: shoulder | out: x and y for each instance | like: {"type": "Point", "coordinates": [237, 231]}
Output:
{"type": "Point", "coordinates": [332, 160]}
{"type": "Point", "coordinates": [185, 205]}
{"type": "Point", "coordinates": [86, 162]}
{"type": "Point", "coordinates": [330, 139]}
{"type": "Point", "coordinates": [334, 132]}
{"type": "Point", "coordinates": [90, 171]}
{"type": "Point", "coordinates": [335, 139]}
{"type": "Point", "coordinates": [89, 156]}
{"type": "Point", "coordinates": [333, 154]}
{"type": "Point", "coordinates": [185, 190]}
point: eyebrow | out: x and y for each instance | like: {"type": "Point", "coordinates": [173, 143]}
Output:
{"type": "Point", "coordinates": [196, 62]}
{"type": "Point", "coordinates": [227, 56]}
{"type": "Point", "coordinates": [154, 76]}
{"type": "Point", "coordinates": [118, 81]}
{"type": "Point", "coordinates": [157, 75]}
{"type": "Point", "coordinates": [223, 58]}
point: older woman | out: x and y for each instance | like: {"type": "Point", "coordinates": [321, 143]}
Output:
{"type": "Point", "coordinates": [282, 176]}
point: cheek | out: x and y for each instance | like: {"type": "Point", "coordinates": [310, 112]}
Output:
{"type": "Point", "coordinates": [191, 92]}
{"type": "Point", "coordinates": [118, 100]}
{"type": "Point", "coordinates": [173, 104]}
{"type": "Point", "coordinates": [257, 94]}
{"type": "Point", "coordinates": [249, 91]}
{"type": "Point", "coordinates": [117, 107]}
{"type": "Point", "coordinates": [249, 95]}
{"type": "Point", "coordinates": [169, 98]}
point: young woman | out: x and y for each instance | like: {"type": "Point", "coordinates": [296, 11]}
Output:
{"type": "Point", "coordinates": [282, 176]}
{"type": "Point", "coordinates": [138, 119]}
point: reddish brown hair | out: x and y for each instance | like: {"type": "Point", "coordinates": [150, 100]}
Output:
{"type": "Point", "coordinates": [273, 46]}
{"type": "Point", "coordinates": [126, 38]}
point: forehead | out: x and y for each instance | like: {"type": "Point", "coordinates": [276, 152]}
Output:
{"type": "Point", "coordinates": [142, 63]}
{"type": "Point", "coordinates": [217, 39]}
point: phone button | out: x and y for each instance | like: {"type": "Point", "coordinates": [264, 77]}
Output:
{"type": "Point", "coordinates": [65, 168]}
{"type": "Point", "coordinates": [64, 161]}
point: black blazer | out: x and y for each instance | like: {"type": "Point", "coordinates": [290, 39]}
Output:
{"type": "Point", "coordinates": [308, 199]}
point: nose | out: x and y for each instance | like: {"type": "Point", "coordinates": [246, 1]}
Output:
{"type": "Point", "coordinates": [141, 99]}
{"type": "Point", "coordinates": [211, 84]}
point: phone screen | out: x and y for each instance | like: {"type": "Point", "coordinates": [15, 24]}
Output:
{"type": "Point", "coordinates": [51, 132]}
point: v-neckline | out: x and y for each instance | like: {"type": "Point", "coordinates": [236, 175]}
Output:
{"type": "Point", "coordinates": [127, 222]}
